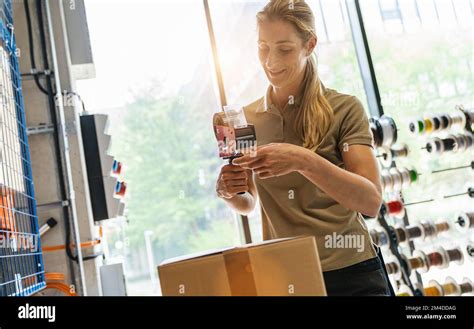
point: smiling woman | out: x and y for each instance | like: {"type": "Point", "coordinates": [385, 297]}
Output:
{"type": "Point", "coordinates": [314, 171]}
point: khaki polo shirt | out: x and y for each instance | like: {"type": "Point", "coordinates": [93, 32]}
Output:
{"type": "Point", "coordinates": [291, 205]}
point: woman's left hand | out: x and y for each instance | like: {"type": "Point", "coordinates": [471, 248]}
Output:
{"type": "Point", "coordinates": [274, 159]}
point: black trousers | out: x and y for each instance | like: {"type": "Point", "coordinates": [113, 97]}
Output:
{"type": "Point", "coordinates": [367, 278]}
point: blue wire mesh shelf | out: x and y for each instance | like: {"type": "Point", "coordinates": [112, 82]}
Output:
{"type": "Point", "coordinates": [21, 259]}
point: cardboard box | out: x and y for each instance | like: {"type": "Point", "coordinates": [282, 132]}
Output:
{"type": "Point", "coordinates": [282, 267]}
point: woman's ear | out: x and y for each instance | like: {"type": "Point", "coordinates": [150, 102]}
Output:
{"type": "Point", "coordinates": [312, 42]}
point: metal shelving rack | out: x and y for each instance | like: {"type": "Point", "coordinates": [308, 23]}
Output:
{"type": "Point", "coordinates": [21, 259]}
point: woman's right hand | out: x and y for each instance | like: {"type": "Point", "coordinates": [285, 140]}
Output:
{"type": "Point", "coordinates": [232, 180]}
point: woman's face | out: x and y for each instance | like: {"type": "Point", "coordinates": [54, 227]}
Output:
{"type": "Point", "coordinates": [281, 52]}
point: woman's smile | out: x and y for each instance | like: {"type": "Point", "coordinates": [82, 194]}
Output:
{"type": "Point", "coordinates": [276, 74]}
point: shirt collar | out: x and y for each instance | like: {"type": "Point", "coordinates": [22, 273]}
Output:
{"type": "Point", "coordinates": [267, 105]}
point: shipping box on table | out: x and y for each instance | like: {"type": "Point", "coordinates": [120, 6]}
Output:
{"type": "Point", "coordinates": [282, 267]}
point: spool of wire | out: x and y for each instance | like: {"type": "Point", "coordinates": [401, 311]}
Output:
{"type": "Point", "coordinates": [395, 208]}
{"type": "Point", "coordinates": [397, 179]}
{"type": "Point", "coordinates": [439, 258]}
{"type": "Point", "coordinates": [390, 154]}
{"type": "Point", "coordinates": [428, 228]}
{"type": "Point", "coordinates": [435, 146]}
{"type": "Point", "coordinates": [434, 289]}
{"type": "Point", "coordinates": [384, 131]}
{"type": "Point", "coordinates": [441, 227]}
{"type": "Point", "coordinates": [458, 118]}
{"type": "Point", "coordinates": [419, 261]}
{"type": "Point", "coordinates": [445, 121]}
{"type": "Point", "coordinates": [380, 238]}
{"type": "Point", "coordinates": [406, 177]}
{"type": "Point", "coordinates": [414, 231]}
{"type": "Point", "coordinates": [436, 123]}
{"type": "Point", "coordinates": [428, 125]}
{"type": "Point", "coordinates": [455, 255]}
{"type": "Point", "coordinates": [469, 114]}
{"type": "Point", "coordinates": [466, 286]}
{"type": "Point", "coordinates": [399, 150]}
{"type": "Point", "coordinates": [470, 251]}
{"type": "Point", "coordinates": [463, 142]}
{"type": "Point", "coordinates": [435, 259]}
{"type": "Point", "coordinates": [393, 268]}
{"type": "Point", "coordinates": [465, 221]}
{"type": "Point", "coordinates": [451, 288]}
{"type": "Point", "coordinates": [440, 122]}
{"type": "Point", "coordinates": [417, 126]}
{"type": "Point", "coordinates": [387, 181]}
{"type": "Point", "coordinates": [404, 291]}
{"type": "Point", "coordinates": [452, 143]}
{"type": "Point", "coordinates": [402, 234]}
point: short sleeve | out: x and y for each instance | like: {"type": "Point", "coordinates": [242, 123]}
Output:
{"type": "Point", "coordinates": [354, 125]}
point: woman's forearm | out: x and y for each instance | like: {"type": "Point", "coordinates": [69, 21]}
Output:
{"type": "Point", "coordinates": [242, 203]}
{"type": "Point", "coordinates": [349, 189]}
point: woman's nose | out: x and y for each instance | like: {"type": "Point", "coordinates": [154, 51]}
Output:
{"type": "Point", "coordinates": [271, 61]}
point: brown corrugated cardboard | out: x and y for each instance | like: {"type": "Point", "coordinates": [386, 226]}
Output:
{"type": "Point", "coordinates": [282, 267]}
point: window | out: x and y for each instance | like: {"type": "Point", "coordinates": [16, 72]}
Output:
{"type": "Point", "coordinates": [156, 85]}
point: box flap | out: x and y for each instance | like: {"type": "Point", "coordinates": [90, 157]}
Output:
{"type": "Point", "coordinates": [210, 252]}
{"type": "Point", "coordinates": [195, 255]}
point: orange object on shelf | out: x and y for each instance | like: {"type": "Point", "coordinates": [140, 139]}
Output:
{"type": "Point", "coordinates": [86, 244]}
{"type": "Point", "coordinates": [7, 219]}
{"type": "Point", "coordinates": [64, 288]}
{"type": "Point", "coordinates": [55, 276]}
